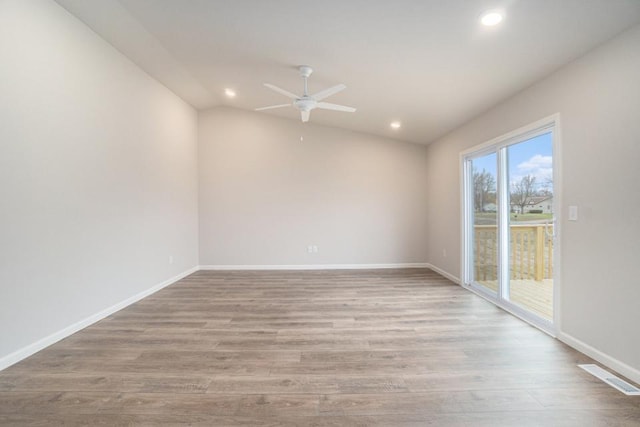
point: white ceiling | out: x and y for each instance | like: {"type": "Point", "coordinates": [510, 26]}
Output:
{"type": "Point", "coordinates": [427, 63]}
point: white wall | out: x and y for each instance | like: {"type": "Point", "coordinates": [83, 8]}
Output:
{"type": "Point", "coordinates": [98, 181]}
{"type": "Point", "coordinates": [598, 98]}
{"type": "Point", "coordinates": [265, 195]}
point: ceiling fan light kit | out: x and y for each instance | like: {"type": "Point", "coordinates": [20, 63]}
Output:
{"type": "Point", "coordinates": [306, 102]}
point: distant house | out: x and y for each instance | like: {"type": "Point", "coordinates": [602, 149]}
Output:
{"type": "Point", "coordinates": [490, 207]}
{"type": "Point", "coordinates": [536, 203]}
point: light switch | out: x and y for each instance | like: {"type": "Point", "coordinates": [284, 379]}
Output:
{"type": "Point", "coordinates": [573, 213]}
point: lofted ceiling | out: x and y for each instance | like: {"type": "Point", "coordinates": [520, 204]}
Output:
{"type": "Point", "coordinates": [426, 63]}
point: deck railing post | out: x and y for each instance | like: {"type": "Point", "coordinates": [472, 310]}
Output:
{"type": "Point", "coordinates": [539, 260]}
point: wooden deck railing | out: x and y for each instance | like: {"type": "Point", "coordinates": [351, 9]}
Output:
{"type": "Point", "coordinates": [530, 247]}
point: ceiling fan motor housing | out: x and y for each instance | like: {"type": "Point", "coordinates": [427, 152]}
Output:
{"type": "Point", "coordinates": [306, 103]}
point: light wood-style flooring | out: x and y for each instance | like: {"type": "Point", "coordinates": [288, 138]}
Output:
{"type": "Point", "coordinates": [298, 348]}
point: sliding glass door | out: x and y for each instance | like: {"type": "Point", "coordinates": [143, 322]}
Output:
{"type": "Point", "coordinates": [484, 220]}
{"type": "Point", "coordinates": [531, 223]}
{"type": "Point", "coordinates": [509, 223]}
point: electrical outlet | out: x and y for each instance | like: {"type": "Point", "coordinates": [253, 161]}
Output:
{"type": "Point", "coordinates": [170, 259]}
{"type": "Point", "coordinates": [444, 253]}
{"type": "Point", "coordinates": [309, 249]}
{"type": "Point", "coordinates": [315, 249]}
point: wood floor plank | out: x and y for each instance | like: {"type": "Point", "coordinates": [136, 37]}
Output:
{"type": "Point", "coordinates": [306, 384]}
{"type": "Point", "coordinates": [429, 402]}
{"type": "Point", "coordinates": [319, 348]}
{"type": "Point", "coordinates": [128, 383]}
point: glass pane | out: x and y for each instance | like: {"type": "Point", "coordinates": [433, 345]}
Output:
{"type": "Point", "coordinates": [485, 221]}
{"type": "Point", "coordinates": [530, 177]}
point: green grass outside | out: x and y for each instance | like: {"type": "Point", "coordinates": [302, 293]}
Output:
{"type": "Point", "coordinates": [531, 217]}
{"type": "Point", "coordinates": [515, 217]}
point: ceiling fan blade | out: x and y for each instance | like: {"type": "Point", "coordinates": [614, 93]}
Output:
{"type": "Point", "coordinates": [336, 107]}
{"type": "Point", "coordinates": [281, 91]}
{"type": "Point", "coordinates": [270, 107]}
{"type": "Point", "coordinates": [305, 115]}
{"type": "Point", "coordinates": [328, 92]}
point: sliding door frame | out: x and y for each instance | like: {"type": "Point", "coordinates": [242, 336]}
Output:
{"type": "Point", "coordinates": [498, 145]}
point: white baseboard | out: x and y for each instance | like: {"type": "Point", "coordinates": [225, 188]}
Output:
{"type": "Point", "coordinates": [622, 368]}
{"type": "Point", "coordinates": [27, 351]}
{"type": "Point", "coordinates": [441, 272]}
{"type": "Point", "coordinates": [314, 266]}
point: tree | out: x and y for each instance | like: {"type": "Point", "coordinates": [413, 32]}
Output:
{"type": "Point", "coordinates": [484, 189]}
{"type": "Point", "coordinates": [522, 191]}
{"type": "Point", "coordinates": [547, 188]}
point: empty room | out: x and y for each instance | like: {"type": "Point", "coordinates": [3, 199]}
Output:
{"type": "Point", "coordinates": [329, 213]}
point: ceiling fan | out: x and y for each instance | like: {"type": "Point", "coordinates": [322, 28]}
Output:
{"type": "Point", "coordinates": [306, 102]}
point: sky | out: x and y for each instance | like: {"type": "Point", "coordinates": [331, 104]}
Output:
{"type": "Point", "coordinates": [531, 157]}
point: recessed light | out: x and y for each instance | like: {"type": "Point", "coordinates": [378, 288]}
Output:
{"type": "Point", "coordinates": [230, 93]}
{"type": "Point", "coordinates": [395, 125]}
{"type": "Point", "coordinates": [491, 18]}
